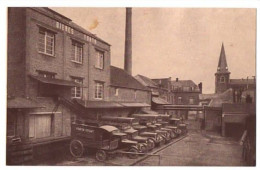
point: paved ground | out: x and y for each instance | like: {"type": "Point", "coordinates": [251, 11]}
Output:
{"type": "Point", "coordinates": [199, 149]}
{"type": "Point", "coordinates": [196, 149]}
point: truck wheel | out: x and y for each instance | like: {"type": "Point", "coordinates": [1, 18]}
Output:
{"type": "Point", "coordinates": [173, 135]}
{"type": "Point", "coordinates": [162, 142]}
{"type": "Point", "coordinates": [151, 144]}
{"type": "Point", "coordinates": [76, 148]}
{"type": "Point", "coordinates": [143, 148]}
{"type": "Point", "coordinates": [132, 156]}
{"type": "Point", "coordinates": [101, 155]}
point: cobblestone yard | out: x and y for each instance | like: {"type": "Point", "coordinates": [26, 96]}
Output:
{"type": "Point", "coordinates": [199, 149]}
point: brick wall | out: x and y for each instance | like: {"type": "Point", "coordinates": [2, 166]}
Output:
{"type": "Point", "coordinates": [16, 52]}
{"type": "Point", "coordinates": [213, 119]}
{"type": "Point", "coordinates": [128, 95]}
{"type": "Point", "coordinates": [185, 98]}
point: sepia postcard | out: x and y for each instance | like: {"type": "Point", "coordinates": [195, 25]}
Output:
{"type": "Point", "coordinates": [131, 86]}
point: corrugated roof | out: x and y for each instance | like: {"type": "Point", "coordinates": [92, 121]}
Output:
{"type": "Point", "coordinates": [183, 83]}
{"type": "Point", "coordinates": [22, 103]}
{"type": "Point", "coordinates": [146, 81]}
{"type": "Point", "coordinates": [120, 78]}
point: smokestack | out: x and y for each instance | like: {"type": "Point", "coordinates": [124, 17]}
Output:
{"type": "Point", "coordinates": [128, 41]}
{"type": "Point", "coordinates": [200, 87]}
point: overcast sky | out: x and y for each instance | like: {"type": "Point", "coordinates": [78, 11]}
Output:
{"type": "Point", "coordinates": [176, 42]}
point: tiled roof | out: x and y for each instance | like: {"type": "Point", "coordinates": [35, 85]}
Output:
{"type": "Point", "coordinates": [146, 81]}
{"type": "Point", "coordinates": [120, 78]}
{"type": "Point", "coordinates": [183, 83]}
{"type": "Point", "coordinates": [242, 81]}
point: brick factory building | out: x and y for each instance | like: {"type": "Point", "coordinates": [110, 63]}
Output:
{"type": "Point", "coordinates": [49, 58]}
{"type": "Point", "coordinates": [58, 73]}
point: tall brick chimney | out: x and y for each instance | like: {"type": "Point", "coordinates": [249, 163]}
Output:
{"type": "Point", "coordinates": [128, 41]}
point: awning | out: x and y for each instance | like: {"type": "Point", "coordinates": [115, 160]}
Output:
{"type": "Point", "coordinates": [22, 103]}
{"type": "Point", "coordinates": [58, 82]}
{"type": "Point", "coordinates": [126, 104]}
{"type": "Point", "coordinates": [97, 104]}
{"type": "Point", "coordinates": [158, 100]}
{"type": "Point", "coordinates": [108, 128]}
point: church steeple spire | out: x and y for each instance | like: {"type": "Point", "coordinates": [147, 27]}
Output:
{"type": "Point", "coordinates": [222, 74]}
{"type": "Point", "coordinates": [222, 63]}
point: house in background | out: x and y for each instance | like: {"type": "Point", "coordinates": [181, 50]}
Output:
{"type": "Point", "coordinates": [186, 94]}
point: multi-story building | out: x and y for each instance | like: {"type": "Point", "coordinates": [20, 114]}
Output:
{"type": "Point", "coordinates": [186, 92]}
{"type": "Point", "coordinates": [50, 58]}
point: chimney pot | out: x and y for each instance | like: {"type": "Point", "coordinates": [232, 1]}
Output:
{"type": "Point", "coordinates": [177, 79]}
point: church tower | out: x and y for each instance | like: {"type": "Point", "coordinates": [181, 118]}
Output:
{"type": "Point", "coordinates": [222, 74]}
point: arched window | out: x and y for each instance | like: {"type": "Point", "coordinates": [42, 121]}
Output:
{"type": "Point", "coordinates": [222, 79]}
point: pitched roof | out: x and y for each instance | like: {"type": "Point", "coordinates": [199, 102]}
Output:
{"type": "Point", "coordinates": [242, 81]}
{"type": "Point", "coordinates": [146, 81]}
{"type": "Point", "coordinates": [120, 78]}
{"type": "Point", "coordinates": [222, 63]}
{"type": "Point", "coordinates": [183, 83]}
{"type": "Point", "coordinates": [219, 99]}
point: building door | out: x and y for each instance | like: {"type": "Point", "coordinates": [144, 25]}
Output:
{"type": "Point", "coordinates": [234, 130]}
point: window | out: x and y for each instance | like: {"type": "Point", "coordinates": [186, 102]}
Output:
{"type": "Point", "coordinates": [76, 52]}
{"type": "Point", "coordinates": [100, 60]}
{"type": "Point", "coordinates": [76, 92]}
{"type": "Point", "coordinates": [186, 88]}
{"type": "Point", "coordinates": [191, 100]}
{"type": "Point", "coordinates": [135, 94]}
{"type": "Point", "coordinates": [40, 126]}
{"type": "Point", "coordinates": [46, 42]}
{"type": "Point", "coordinates": [99, 90]}
{"type": "Point", "coordinates": [222, 79]}
{"type": "Point", "coordinates": [179, 100]}
{"type": "Point", "coordinates": [116, 91]}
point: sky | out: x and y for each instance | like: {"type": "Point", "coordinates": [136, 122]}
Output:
{"type": "Point", "coordinates": [177, 42]}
